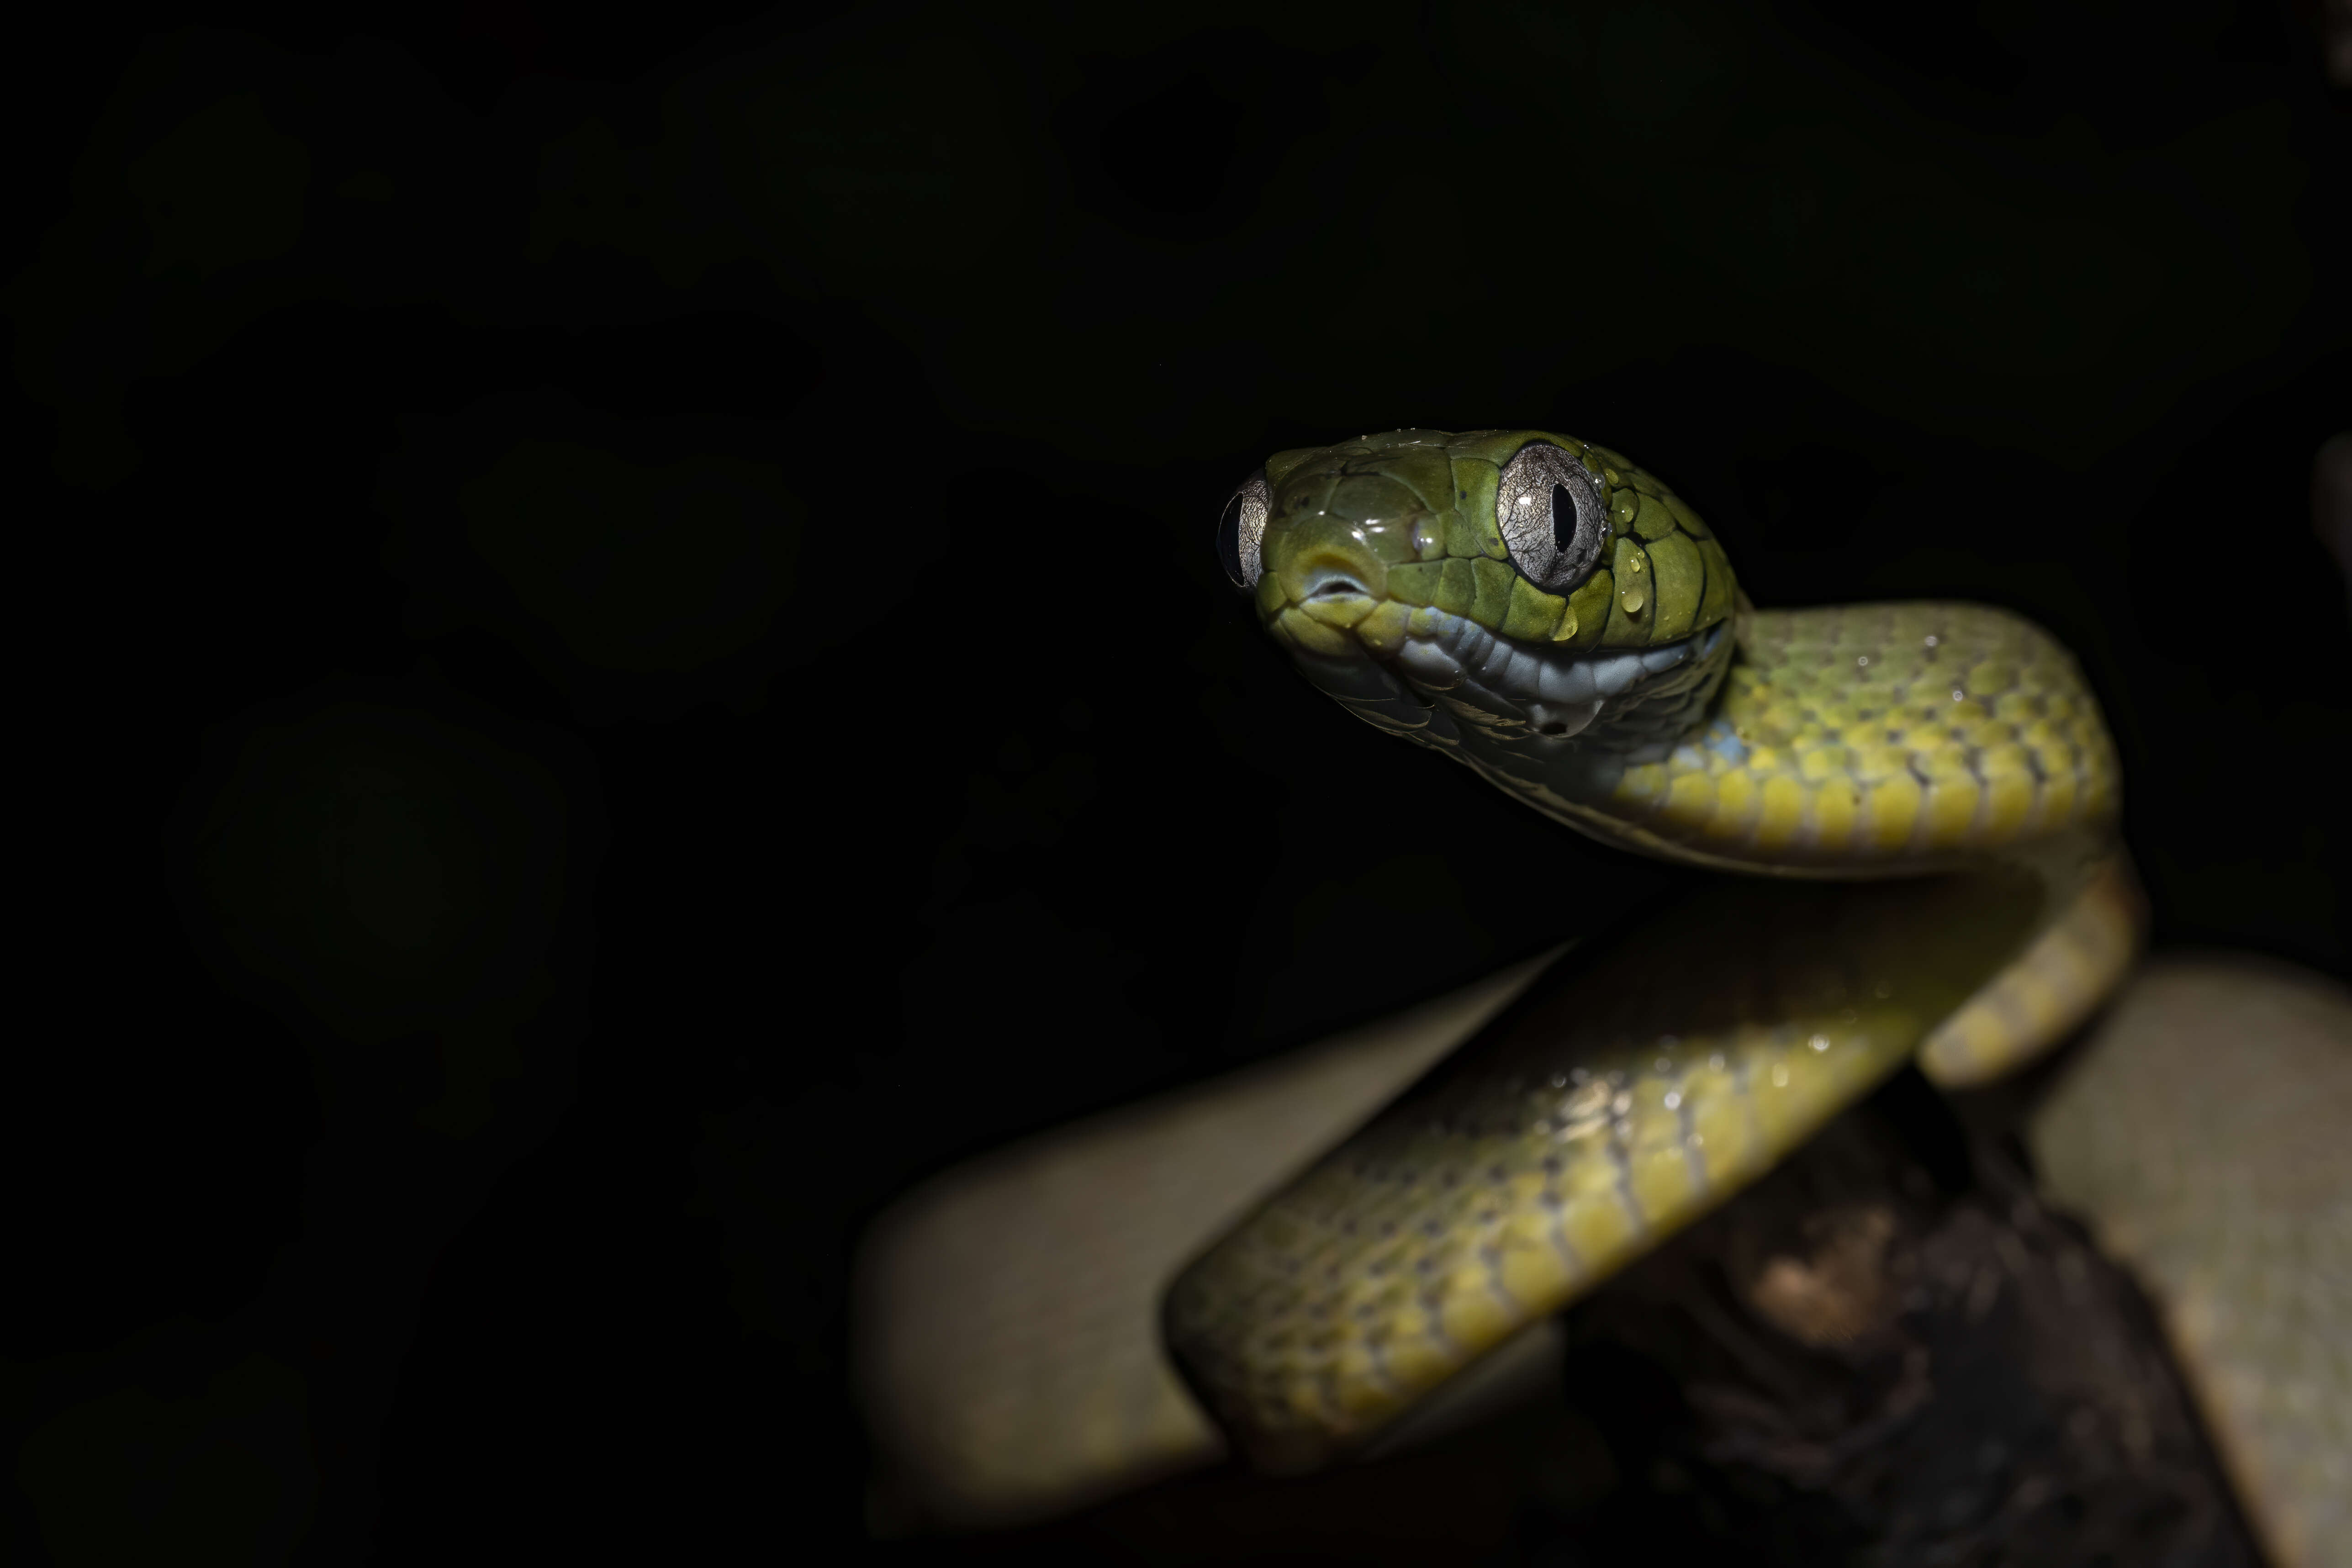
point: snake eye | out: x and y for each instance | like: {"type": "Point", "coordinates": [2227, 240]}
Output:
{"type": "Point", "coordinates": [1549, 511]}
{"type": "Point", "coordinates": [1243, 526]}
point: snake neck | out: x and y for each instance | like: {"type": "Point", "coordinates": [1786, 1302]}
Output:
{"type": "Point", "coordinates": [1857, 741]}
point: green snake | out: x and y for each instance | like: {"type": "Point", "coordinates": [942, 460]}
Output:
{"type": "Point", "coordinates": [1922, 802]}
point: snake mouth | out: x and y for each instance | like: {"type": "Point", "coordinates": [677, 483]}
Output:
{"type": "Point", "coordinates": [1549, 690]}
{"type": "Point", "coordinates": [1449, 670]}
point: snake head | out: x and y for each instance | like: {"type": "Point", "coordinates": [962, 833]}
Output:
{"type": "Point", "coordinates": [1521, 591]}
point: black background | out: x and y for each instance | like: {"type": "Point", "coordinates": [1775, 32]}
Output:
{"type": "Point", "coordinates": [841, 754]}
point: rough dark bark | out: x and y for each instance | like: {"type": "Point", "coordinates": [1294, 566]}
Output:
{"type": "Point", "coordinates": [1889, 1352]}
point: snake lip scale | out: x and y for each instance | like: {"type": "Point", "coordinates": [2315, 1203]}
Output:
{"type": "Point", "coordinates": [1458, 668]}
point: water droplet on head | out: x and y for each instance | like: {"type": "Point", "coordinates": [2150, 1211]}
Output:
{"type": "Point", "coordinates": [1933, 639]}
{"type": "Point", "coordinates": [1819, 1042]}
{"type": "Point", "coordinates": [1633, 600]}
{"type": "Point", "coordinates": [1956, 695]}
{"type": "Point", "coordinates": [1861, 659]}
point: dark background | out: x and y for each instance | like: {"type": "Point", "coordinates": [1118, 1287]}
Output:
{"type": "Point", "coordinates": [624, 656]}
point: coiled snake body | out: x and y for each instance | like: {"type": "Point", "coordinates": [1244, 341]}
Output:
{"type": "Point", "coordinates": [1923, 801]}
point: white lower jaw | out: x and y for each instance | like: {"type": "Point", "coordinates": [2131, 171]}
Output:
{"type": "Point", "coordinates": [1570, 687]}
{"type": "Point", "coordinates": [1455, 678]}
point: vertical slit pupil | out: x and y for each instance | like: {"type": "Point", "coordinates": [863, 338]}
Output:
{"type": "Point", "coordinates": [1563, 519]}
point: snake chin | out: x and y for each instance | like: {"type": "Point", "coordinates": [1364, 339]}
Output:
{"type": "Point", "coordinates": [1459, 687]}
